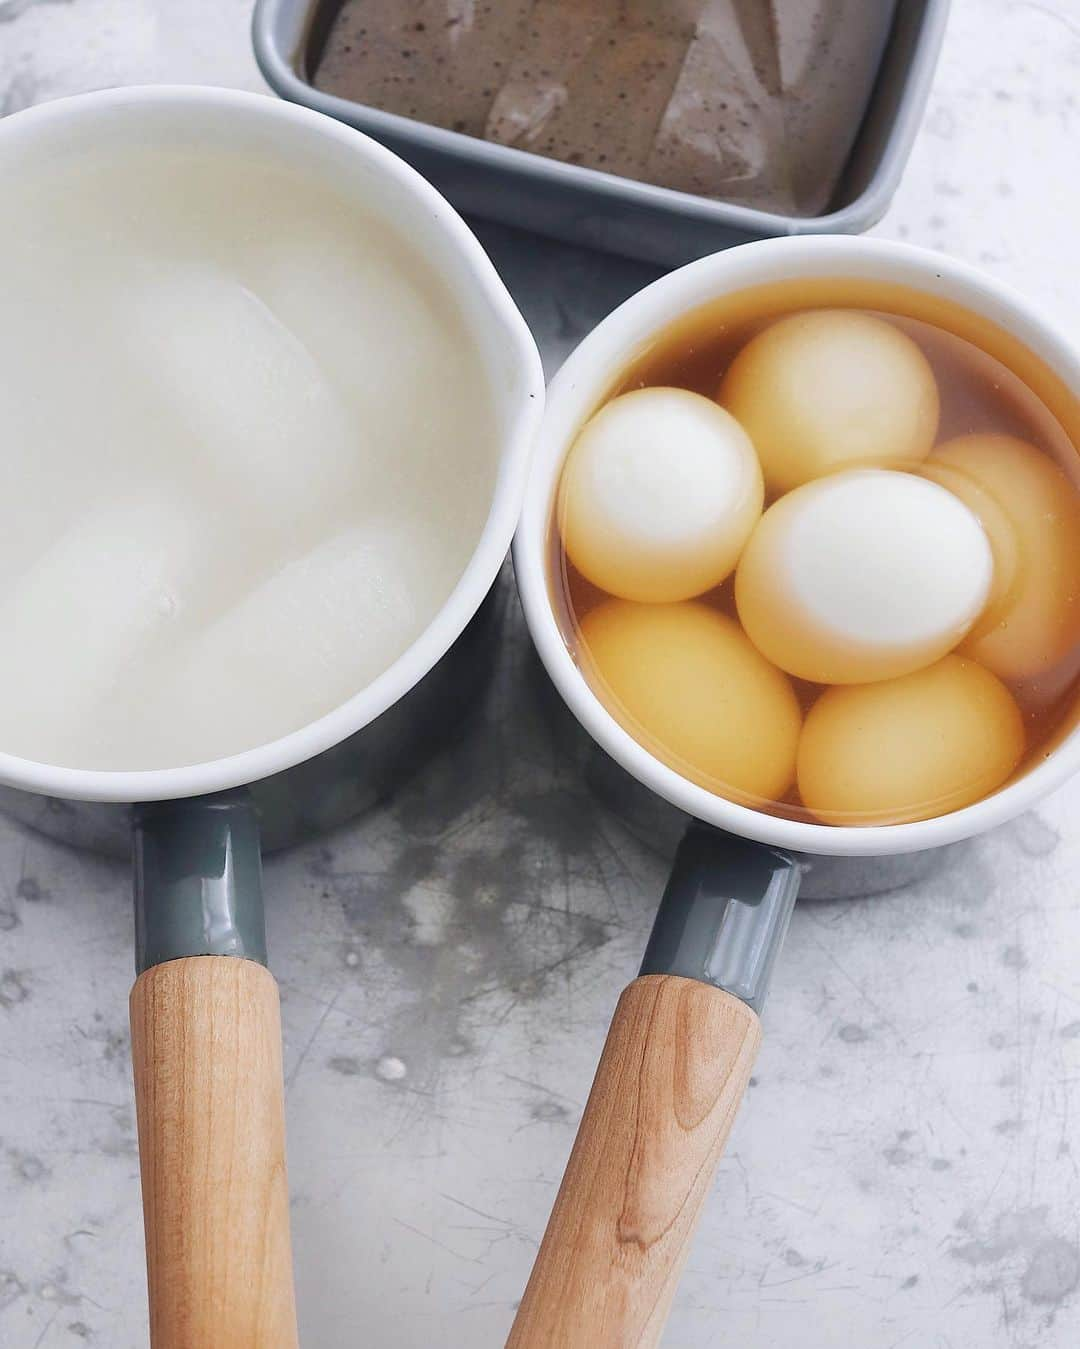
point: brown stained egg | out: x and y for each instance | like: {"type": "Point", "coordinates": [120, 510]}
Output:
{"type": "Point", "coordinates": [690, 687]}
{"type": "Point", "coordinates": [909, 748]}
{"type": "Point", "coordinates": [828, 389]}
{"type": "Point", "coordinates": [1033, 523]}
{"type": "Point", "coordinates": [861, 575]}
{"type": "Point", "coordinates": [1004, 549]}
{"type": "Point", "coordinates": [658, 496]}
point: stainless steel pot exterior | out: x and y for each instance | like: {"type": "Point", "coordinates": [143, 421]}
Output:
{"type": "Point", "coordinates": [600, 210]}
{"type": "Point", "coordinates": [335, 786]}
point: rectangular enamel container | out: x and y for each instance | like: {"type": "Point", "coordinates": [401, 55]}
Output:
{"type": "Point", "coordinates": [586, 206]}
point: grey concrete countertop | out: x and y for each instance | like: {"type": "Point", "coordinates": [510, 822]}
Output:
{"type": "Point", "coordinates": [905, 1170]}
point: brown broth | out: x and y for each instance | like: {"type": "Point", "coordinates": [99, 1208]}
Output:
{"type": "Point", "coordinates": [988, 382]}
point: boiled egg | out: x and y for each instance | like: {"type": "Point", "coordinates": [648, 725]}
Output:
{"type": "Point", "coordinates": [1031, 513]}
{"type": "Point", "coordinates": [862, 575]}
{"type": "Point", "coordinates": [829, 388]}
{"type": "Point", "coordinates": [658, 495]}
{"type": "Point", "coordinates": [909, 748]}
{"type": "Point", "coordinates": [690, 687]}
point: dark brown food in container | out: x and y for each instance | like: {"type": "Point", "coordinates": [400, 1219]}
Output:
{"type": "Point", "coordinates": [741, 100]}
{"type": "Point", "coordinates": [750, 118]}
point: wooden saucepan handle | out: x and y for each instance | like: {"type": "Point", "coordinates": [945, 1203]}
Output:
{"type": "Point", "coordinates": [206, 1047]}
{"type": "Point", "coordinates": [674, 1069]}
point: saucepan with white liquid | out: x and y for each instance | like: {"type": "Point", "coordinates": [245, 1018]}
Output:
{"type": "Point", "coordinates": [266, 410]}
{"type": "Point", "coordinates": [801, 551]}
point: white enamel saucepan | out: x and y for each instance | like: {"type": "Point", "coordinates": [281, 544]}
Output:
{"type": "Point", "coordinates": [685, 1033]}
{"type": "Point", "coordinates": [204, 1008]}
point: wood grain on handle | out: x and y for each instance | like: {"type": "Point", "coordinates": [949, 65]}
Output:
{"type": "Point", "coordinates": [206, 1045]}
{"type": "Point", "coordinates": [674, 1069]}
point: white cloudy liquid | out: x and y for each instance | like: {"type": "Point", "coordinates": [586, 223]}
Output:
{"type": "Point", "coordinates": [247, 447]}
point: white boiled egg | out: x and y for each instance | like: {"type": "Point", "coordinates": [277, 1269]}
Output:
{"type": "Point", "coordinates": [830, 388]}
{"type": "Point", "coordinates": [688, 685]}
{"type": "Point", "coordinates": [658, 495]}
{"type": "Point", "coordinates": [862, 575]}
{"type": "Point", "coordinates": [909, 748]}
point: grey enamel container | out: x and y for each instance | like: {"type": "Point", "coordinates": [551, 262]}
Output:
{"type": "Point", "coordinates": [589, 207]}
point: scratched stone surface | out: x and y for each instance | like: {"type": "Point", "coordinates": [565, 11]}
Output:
{"type": "Point", "coordinates": [905, 1169]}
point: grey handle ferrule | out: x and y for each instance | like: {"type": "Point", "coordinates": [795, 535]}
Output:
{"type": "Point", "coordinates": [198, 879]}
{"type": "Point", "coordinates": [724, 914]}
